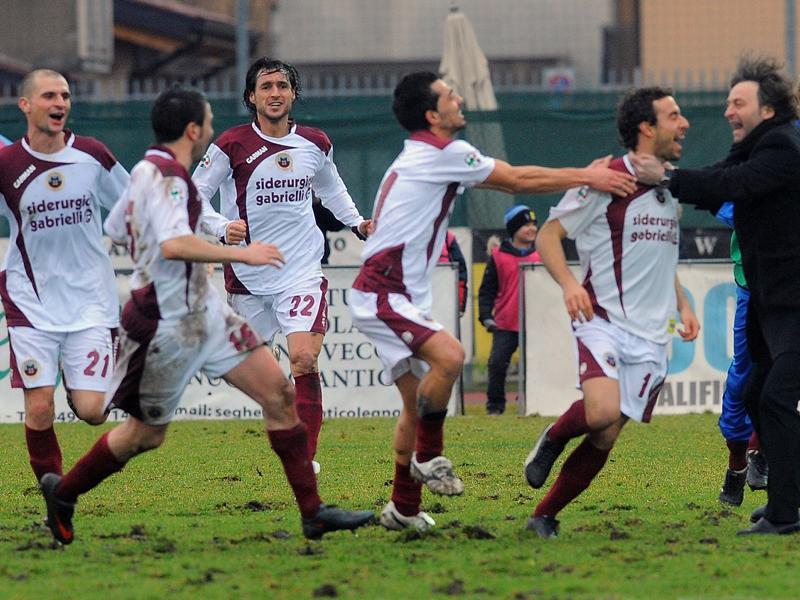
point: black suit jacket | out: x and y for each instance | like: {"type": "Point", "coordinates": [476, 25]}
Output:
{"type": "Point", "coordinates": [762, 177]}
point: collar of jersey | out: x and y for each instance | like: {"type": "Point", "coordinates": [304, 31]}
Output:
{"type": "Point", "coordinates": [257, 129]}
{"type": "Point", "coordinates": [70, 138]}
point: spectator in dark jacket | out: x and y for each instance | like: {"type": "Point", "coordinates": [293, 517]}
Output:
{"type": "Point", "coordinates": [451, 252]}
{"type": "Point", "coordinates": [498, 298]}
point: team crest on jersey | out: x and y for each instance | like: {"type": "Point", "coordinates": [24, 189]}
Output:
{"type": "Point", "coordinates": [55, 180]}
{"type": "Point", "coordinates": [284, 161]}
{"type": "Point", "coordinates": [610, 359]}
{"type": "Point", "coordinates": [660, 196]}
{"type": "Point", "coordinates": [204, 162]}
{"type": "Point", "coordinates": [473, 159]}
{"type": "Point", "coordinates": [583, 193]}
{"type": "Point", "coordinates": [30, 368]}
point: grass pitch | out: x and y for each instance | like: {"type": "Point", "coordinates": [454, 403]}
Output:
{"type": "Point", "coordinates": [209, 516]}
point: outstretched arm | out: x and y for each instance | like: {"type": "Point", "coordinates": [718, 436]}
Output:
{"type": "Point", "coordinates": [542, 180]}
{"type": "Point", "coordinates": [195, 249]}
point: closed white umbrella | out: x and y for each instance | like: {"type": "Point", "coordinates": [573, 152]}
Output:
{"type": "Point", "coordinates": [464, 67]}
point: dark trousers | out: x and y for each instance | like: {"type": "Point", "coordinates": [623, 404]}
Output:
{"type": "Point", "coordinates": [504, 343]}
{"type": "Point", "coordinates": [771, 396]}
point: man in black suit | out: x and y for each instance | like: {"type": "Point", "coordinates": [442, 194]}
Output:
{"type": "Point", "coordinates": [761, 175]}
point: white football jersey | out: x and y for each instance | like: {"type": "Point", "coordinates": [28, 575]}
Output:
{"type": "Point", "coordinates": [411, 213]}
{"type": "Point", "coordinates": [57, 275]}
{"type": "Point", "coordinates": [160, 204]}
{"type": "Point", "coordinates": [628, 249]}
{"type": "Point", "coordinates": [268, 182]}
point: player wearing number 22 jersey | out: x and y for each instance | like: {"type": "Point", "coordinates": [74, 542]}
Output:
{"type": "Point", "coordinates": [267, 172]}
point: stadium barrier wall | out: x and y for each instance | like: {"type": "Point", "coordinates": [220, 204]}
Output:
{"type": "Point", "coordinates": [351, 372]}
{"type": "Point", "coordinates": [697, 369]}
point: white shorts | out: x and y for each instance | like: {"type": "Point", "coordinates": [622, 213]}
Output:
{"type": "Point", "coordinates": [303, 308]}
{"type": "Point", "coordinates": [86, 357]}
{"type": "Point", "coordinates": [157, 358]}
{"type": "Point", "coordinates": [640, 365]}
{"type": "Point", "coordinates": [396, 327]}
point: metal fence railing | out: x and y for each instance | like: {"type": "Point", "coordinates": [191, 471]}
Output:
{"type": "Point", "coordinates": [379, 80]}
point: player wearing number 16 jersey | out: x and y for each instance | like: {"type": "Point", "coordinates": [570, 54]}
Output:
{"type": "Point", "coordinates": [391, 298]}
{"type": "Point", "coordinates": [623, 311]}
{"type": "Point", "coordinates": [57, 283]}
{"type": "Point", "coordinates": [265, 172]}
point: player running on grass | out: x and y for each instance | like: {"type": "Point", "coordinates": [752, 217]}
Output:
{"type": "Point", "coordinates": [391, 298]}
{"type": "Point", "coordinates": [57, 283]}
{"type": "Point", "coordinates": [265, 171]}
{"type": "Point", "coordinates": [623, 312]}
{"type": "Point", "coordinates": [175, 324]}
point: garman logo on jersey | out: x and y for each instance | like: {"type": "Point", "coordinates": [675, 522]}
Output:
{"type": "Point", "coordinates": [30, 368]}
{"type": "Point", "coordinates": [473, 159]}
{"type": "Point", "coordinates": [407, 337]}
{"type": "Point", "coordinates": [55, 180]}
{"type": "Point", "coordinates": [255, 154]}
{"type": "Point", "coordinates": [284, 161]}
{"type": "Point", "coordinates": [23, 176]}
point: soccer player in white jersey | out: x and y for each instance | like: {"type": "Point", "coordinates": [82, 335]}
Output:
{"type": "Point", "coordinates": [265, 171]}
{"type": "Point", "coordinates": [623, 310]}
{"type": "Point", "coordinates": [57, 283]}
{"type": "Point", "coordinates": [391, 298]}
{"type": "Point", "coordinates": [175, 324]}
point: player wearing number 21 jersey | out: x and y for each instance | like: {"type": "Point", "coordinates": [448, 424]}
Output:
{"type": "Point", "coordinates": [57, 283]}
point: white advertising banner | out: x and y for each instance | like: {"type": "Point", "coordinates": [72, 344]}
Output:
{"type": "Point", "coordinates": [350, 371]}
{"type": "Point", "coordinates": [697, 370]}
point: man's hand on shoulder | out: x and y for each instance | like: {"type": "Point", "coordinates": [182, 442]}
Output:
{"type": "Point", "coordinates": [600, 177]}
{"type": "Point", "coordinates": [649, 169]}
{"type": "Point", "coordinates": [235, 232]}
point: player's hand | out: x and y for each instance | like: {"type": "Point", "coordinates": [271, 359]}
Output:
{"type": "Point", "coordinates": [600, 163]}
{"type": "Point", "coordinates": [235, 232]}
{"type": "Point", "coordinates": [607, 180]}
{"type": "Point", "coordinates": [258, 253]}
{"type": "Point", "coordinates": [578, 303]}
{"type": "Point", "coordinates": [366, 227]}
{"type": "Point", "coordinates": [691, 326]}
{"type": "Point", "coordinates": [649, 169]}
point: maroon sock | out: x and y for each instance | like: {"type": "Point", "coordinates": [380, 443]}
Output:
{"type": "Point", "coordinates": [570, 425]}
{"type": "Point", "coordinates": [577, 473]}
{"type": "Point", "coordinates": [737, 454]}
{"type": "Point", "coordinates": [430, 436]}
{"type": "Point", "coordinates": [406, 493]}
{"type": "Point", "coordinates": [308, 402]}
{"type": "Point", "coordinates": [291, 447]}
{"type": "Point", "coordinates": [96, 465]}
{"type": "Point", "coordinates": [754, 444]}
{"type": "Point", "coordinates": [44, 452]}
